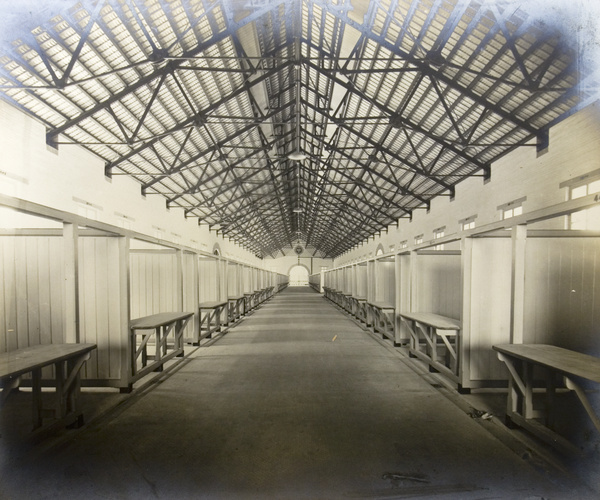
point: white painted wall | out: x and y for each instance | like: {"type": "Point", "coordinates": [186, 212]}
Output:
{"type": "Point", "coordinates": [73, 180]}
{"type": "Point", "coordinates": [574, 150]}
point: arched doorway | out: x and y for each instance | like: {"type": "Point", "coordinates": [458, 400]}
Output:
{"type": "Point", "coordinates": [298, 276]}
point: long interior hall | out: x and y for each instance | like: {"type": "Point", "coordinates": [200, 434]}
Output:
{"type": "Point", "coordinates": [295, 401]}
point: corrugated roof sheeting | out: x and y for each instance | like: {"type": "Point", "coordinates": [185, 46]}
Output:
{"type": "Point", "coordinates": [203, 101]}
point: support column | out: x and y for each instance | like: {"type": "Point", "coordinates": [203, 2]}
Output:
{"type": "Point", "coordinates": [125, 312]}
{"type": "Point", "coordinates": [414, 292]}
{"type": "Point", "coordinates": [71, 290]}
{"type": "Point", "coordinates": [322, 281]}
{"type": "Point", "coordinates": [179, 278]}
{"type": "Point", "coordinates": [463, 350]}
{"type": "Point", "coordinates": [397, 298]}
{"type": "Point", "coordinates": [517, 311]}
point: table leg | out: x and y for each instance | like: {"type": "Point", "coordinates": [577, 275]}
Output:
{"type": "Point", "coordinates": [36, 390]}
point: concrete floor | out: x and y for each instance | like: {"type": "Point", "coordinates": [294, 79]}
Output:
{"type": "Point", "coordinates": [296, 401]}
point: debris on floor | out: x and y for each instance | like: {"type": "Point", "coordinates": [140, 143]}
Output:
{"type": "Point", "coordinates": [482, 414]}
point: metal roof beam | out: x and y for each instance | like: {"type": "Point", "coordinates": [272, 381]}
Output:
{"type": "Point", "coordinates": [426, 68]}
{"type": "Point", "coordinates": [170, 67]}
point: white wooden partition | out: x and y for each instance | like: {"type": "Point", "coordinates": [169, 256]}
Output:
{"type": "Point", "coordinates": [156, 284]}
{"type": "Point", "coordinates": [361, 279]}
{"type": "Point", "coordinates": [191, 294]}
{"type": "Point", "coordinates": [101, 309]}
{"type": "Point", "coordinates": [208, 279]}
{"type": "Point", "coordinates": [436, 284]}
{"type": "Point", "coordinates": [385, 280]}
{"type": "Point", "coordinates": [562, 291]}
{"type": "Point", "coordinates": [233, 280]}
{"type": "Point", "coordinates": [248, 286]}
{"type": "Point", "coordinates": [31, 291]}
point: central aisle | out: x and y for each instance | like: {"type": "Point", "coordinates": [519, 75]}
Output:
{"type": "Point", "coordinates": [295, 402]}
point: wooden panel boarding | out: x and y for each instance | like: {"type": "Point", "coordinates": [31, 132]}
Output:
{"type": "Point", "coordinates": [490, 307]}
{"type": "Point", "coordinates": [385, 281]}
{"type": "Point", "coordinates": [191, 295]}
{"type": "Point", "coordinates": [31, 292]}
{"type": "Point", "coordinates": [438, 284]}
{"type": "Point", "coordinates": [31, 298]}
{"type": "Point", "coordinates": [100, 307]}
{"type": "Point", "coordinates": [208, 280]}
{"type": "Point", "coordinates": [562, 287]}
{"type": "Point", "coordinates": [153, 282]}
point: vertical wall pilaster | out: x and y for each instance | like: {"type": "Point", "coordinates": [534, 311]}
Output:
{"type": "Point", "coordinates": [71, 288]}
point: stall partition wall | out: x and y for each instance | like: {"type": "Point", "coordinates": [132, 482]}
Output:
{"type": "Point", "coordinates": [487, 319]}
{"type": "Point", "coordinates": [315, 280]}
{"type": "Point", "coordinates": [233, 280]}
{"type": "Point", "coordinates": [156, 283]}
{"type": "Point", "coordinates": [254, 285]}
{"type": "Point", "coordinates": [385, 281]}
{"type": "Point", "coordinates": [562, 292]}
{"type": "Point", "coordinates": [31, 291]}
{"type": "Point", "coordinates": [191, 294]}
{"type": "Point", "coordinates": [436, 285]}
{"type": "Point", "coordinates": [371, 281]}
{"type": "Point", "coordinates": [208, 279]}
{"type": "Point", "coordinates": [361, 280]}
{"type": "Point", "coordinates": [247, 285]}
{"type": "Point", "coordinates": [348, 280]}
{"type": "Point", "coordinates": [36, 286]}
{"type": "Point", "coordinates": [103, 307]}
{"type": "Point", "coordinates": [223, 280]}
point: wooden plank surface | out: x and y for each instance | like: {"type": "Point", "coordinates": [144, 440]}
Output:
{"type": "Point", "coordinates": [160, 319]}
{"type": "Point", "coordinates": [239, 297]}
{"type": "Point", "coordinates": [562, 360]}
{"type": "Point", "coordinates": [24, 360]}
{"type": "Point", "coordinates": [381, 305]}
{"type": "Point", "coordinates": [212, 304]}
{"type": "Point", "coordinates": [434, 320]}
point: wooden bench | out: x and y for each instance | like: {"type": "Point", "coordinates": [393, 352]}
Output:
{"type": "Point", "coordinates": [156, 330]}
{"type": "Point", "coordinates": [67, 360]}
{"type": "Point", "coordinates": [260, 296]}
{"type": "Point", "coordinates": [381, 318]}
{"type": "Point", "coordinates": [431, 329]}
{"type": "Point", "coordinates": [248, 302]}
{"type": "Point", "coordinates": [347, 302]}
{"type": "Point", "coordinates": [359, 308]}
{"type": "Point", "coordinates": [336, 297]}
{"type": "Point", "coordinates": [520, 360]}
{"type": "Point", "coordinates": [211, 318]}
{"type": "Point", "coordinates": [236, 308]}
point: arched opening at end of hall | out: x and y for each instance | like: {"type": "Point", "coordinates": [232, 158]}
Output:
{"type": "Point", "coordinates": [298, 276]}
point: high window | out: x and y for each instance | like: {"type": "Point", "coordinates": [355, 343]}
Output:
{"type": "Point", "coordinates": [437, 234]}
{"type": "Point", "coordinates": [590, 217]}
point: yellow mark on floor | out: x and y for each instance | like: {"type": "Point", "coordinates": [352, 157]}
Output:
{"type": "Point", "coordinates": [334, 338]}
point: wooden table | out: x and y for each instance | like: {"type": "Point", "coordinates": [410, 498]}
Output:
{"type": "Point", "coordinates": [259, 297]}
{"type": "Point", "coordinates": [248, 302]}
{"type": "Point", "coordinates": [381, 318]}
{"type": "Point", "coordinates": [158, 328]}
{"type": "Point", "coordinates": [211, 314]}
{"type": "Point", "coordinates": [236, 308]}
{"type": "Point", "coordinates": [347, 302]}
{"type": "Point", "coordinates": [431, 328]}
{"type": "Point", "coordinates": [67, 360]}
{"type": "Point", "coordinates": [555, 361]}
{"type": "Point", "coordinates": [359, 309]}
